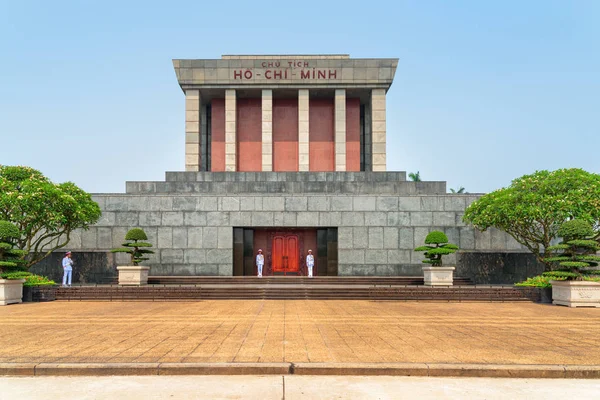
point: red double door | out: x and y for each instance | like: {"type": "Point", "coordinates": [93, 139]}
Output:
{"type": "Point", "coordinates": [285, 253]}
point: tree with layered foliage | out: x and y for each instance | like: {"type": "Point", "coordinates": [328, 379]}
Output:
{"type": "Point", "coordinates": [577, 251]}
{"type": "Point", "coordinates": [415, 176]}
{"type": "Point", "coordinates": [436, 246]}
{"type": "Point", "coordinates": [135, 246]}
{"type": "Point", "coordinates": [533, 207]}
{"type": "Point", "coordinates": [574, 258]}
{"type": "Point", "coordinates": [45, 213]}
{"type": "Point", "coordinates": [10, 258]}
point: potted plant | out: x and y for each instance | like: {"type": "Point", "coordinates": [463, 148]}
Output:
{"type": "Point", "coordinates": [574, 281]}
{"type": "Point", "coordinates": [437, 246]}
{"type": "Point", "coordinates": [11, 284]}
{"type": "Point", "coordinates": [135, 246]}
{"type": "Point", "coordinates": [38, 288]}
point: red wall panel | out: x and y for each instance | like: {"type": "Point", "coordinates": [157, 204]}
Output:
{"type": "Point", "coordinates": [217, 147]}
{"type": "Point", "coordinates": [321, 135]}
{"type": "Point", "coordinates": [285, 134]}
{"type": "Point", "coordinates": [352, 134]}
{"type": "Point", "coordinates": [249, 135]}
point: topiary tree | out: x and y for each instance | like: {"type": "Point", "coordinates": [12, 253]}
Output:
{"type": "Point", "coordinates": [11, 259]}
{"type": "Point", "coordinates": [576, 252]}
{"type": "Point", "coordinates": [134, 246]}
{"type": "Point", "coordinates": [534, 206]}
{"type": "Point", "coordinates": [45, 213]}
{"type": "Point", "coordinates": [436, 246]}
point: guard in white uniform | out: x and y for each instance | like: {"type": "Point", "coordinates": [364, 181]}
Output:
{"type": "Point", "coordinates": [260, 261]}
{"type": "Point", "coordinates": [67, 264]}
{"type": "Point", "coordinates": [310, 263]}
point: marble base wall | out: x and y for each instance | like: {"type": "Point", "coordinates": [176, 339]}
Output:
{"type": "Point", "coordinates": [193, 233]}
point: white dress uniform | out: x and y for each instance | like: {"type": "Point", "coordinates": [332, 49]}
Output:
{"type": "Point", "coordinates": [310, 263]}
{"type": "Point", "coordinates": [67, 265]}
{"type": "Point", "coordinates": [260, 262]}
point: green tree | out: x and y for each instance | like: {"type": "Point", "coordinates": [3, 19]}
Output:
{"type": "Point", "coordinates": [436, 246]}
{"type": "Point", "coordinates": [45, 213]}
{"type": "Point", "coordinates": [415, 177]}
{"type": "Point", "coordinates": [10, 258]}
{"type": "Point", "coordinates": [459, 190]}
{"type": "Point", "coordinates": [135, 246]}
{"type": "Point", "coordinates": [534, 206]}
{"type": "Point", "coordinates": [576, 252]}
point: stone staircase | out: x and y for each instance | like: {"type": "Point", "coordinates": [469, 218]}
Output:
{"type": "Point", "coordinates": [295, 280]}
{"type": "Point", "coordinates": [297, 288]}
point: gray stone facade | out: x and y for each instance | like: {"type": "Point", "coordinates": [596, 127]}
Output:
{"type": "Point", "coordinates": [377, 232]}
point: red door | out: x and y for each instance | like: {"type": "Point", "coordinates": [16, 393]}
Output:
{"type": "Point", "coordinates": [285, 254]}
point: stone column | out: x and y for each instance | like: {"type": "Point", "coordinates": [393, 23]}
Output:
{"type": "Point", "coordinates": [378, 134]}
{"type": "Point", "coordinates": [204, 144]}
{"type": "Point", "coordinates": [267, 130]}
{"type": "Point", "coordinates": [340, 129]}
{"type": "Point", "coordinates": [230, 131]}
{"type": "Point", "coordinates": [303, 143]}
{"type": "Point", "coordinates": [192, 130]}
{"type": "Point", "coordinates": [368, 156]}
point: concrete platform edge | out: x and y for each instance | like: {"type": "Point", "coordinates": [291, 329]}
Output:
{"type": "Point", "coordinates": [372, 369]}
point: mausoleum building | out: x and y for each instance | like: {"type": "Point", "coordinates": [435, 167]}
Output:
{"type": "Point", "coordinates": [287, 153]}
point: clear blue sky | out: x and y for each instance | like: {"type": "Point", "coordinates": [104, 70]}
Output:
{"type": "Point", "coordinates": [485, 91]}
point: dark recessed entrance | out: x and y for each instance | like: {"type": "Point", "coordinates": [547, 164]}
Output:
{"type": "Point", "coordinates": [285, 251]}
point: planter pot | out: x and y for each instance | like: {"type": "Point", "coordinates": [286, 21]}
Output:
{"type": "Point", "coordinates": [438, 276]}
{"type": "Point", "coordinates": [136, 275]}
{"type": "Point", "coordinates": [39, 293]}
{"type": "Point", "coordinates": [546, 295]}
{"type": "Point", "coordinates": [576, 293]}
{"type": "Point", "coordinates": [11, 291]}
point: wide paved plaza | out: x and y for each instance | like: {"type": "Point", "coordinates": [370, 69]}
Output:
{"type": "Point", "coordinates": [298, 331]}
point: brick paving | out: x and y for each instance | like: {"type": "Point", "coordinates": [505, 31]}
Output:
{"type": "Point", "coordinates": [299, 331]}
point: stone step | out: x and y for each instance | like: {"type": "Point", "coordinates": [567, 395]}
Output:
{"type": "Point", "coordinates": [297, 292]}
{"type": "Point", "coordinates": [295, 280]}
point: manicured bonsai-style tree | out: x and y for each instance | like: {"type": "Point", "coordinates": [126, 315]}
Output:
{"type": "Point", "coordinates": [576, 253]}
{"type": "Point", "coordinates": [11, 259]}
{"type": "Point", "coordinates": [135, 246]}
{"type": "Point", "coordinates": [574, 282]}
{"type": "Point", "coordinates": [436, 246]}
{"type": "Point", "coordinates": [11, 283]}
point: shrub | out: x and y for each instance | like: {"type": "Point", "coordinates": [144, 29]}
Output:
{"type": "Point", "coordinates": [543, 281]}
{"type": "Point", "coordinates": [134, 247]}
{"type": "Point", "coordinates": [436, 247]}
{"type": "Point", "coordinates": [38, 280]}
{"type": "Point", "coordinates": [539, 281]}
{"type": "Point", "coordinates": [10, 259]}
